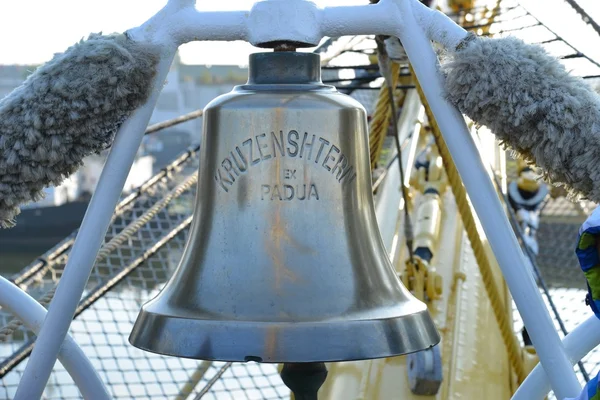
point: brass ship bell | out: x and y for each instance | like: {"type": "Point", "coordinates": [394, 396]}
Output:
{"type": "Point", "coordinates": [284, 261]}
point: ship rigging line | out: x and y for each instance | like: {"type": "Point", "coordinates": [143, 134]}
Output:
{"type": "Point", "coordinates": [95, 294]}
{"type": "Point", "coordinates": [536, 269]}
{"type": "Point", "coordinates": [213, 380]}
{"type": "Point", "coordinates": [479, 9]}
{"type": "Point", "coordinates": [495, 21]}
{"type": "Point", "coordinates": [126, 234]}
{"type": "Point", "coordinates": [389, 164]}
{"type": "Point", "coordinates": [560, 37]}
{"type": "Point", "coordinates": [584, 15]}
{"type": "Point", "coordinates": [49, 258]}
{"type": "Point", "coordinates": [175, 121]}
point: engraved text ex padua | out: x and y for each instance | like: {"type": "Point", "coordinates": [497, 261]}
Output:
{"type": "Point", "coordinates": [263, 147]}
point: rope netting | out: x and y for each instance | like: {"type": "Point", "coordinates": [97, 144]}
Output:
{"type": "Point", "coordinates": [128, 276]}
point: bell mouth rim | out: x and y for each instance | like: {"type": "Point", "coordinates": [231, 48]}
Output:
{"type": "Point", "coordinates": [267, 342]}
{"type": "Point", "coordinates": [285, 87]}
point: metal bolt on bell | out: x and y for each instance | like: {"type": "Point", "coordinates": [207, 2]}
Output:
{"type": "Point", "coordinates": [284, 261]}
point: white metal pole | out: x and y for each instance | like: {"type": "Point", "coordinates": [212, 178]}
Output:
{"type": "Point", "coordinates": [87, 243]}
{"type": "Point", "coordinates": [387, 210]}
{"type": "Point", "coordinates": [28, 310]}
{"type": "Point", "coordinates": [488, 207]}
{"type": "Point", "coordinates": [578, 343]}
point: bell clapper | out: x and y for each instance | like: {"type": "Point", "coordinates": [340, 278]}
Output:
{"type": "Point", "coordinates": [304, 379]}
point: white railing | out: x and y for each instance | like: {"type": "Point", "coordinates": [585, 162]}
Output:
{"type": "Point", "coordinates": [301, 21]}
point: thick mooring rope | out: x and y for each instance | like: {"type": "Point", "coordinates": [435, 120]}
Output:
{"type": "Point", "coordinates": [468, 218]}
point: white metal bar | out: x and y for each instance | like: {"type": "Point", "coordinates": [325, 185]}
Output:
{"type": "Point", "coordinates": [437, 26]}
{"type": "Point", "coordinates": [87, 243]}
{"type": "Point", "coordinates": [28, 310]}
{"type": "Point", "coordinates": [387, 208]}
{"type": "Point", "coordinates": [578, 343]}
{"type": "Point", "coordinates": [489, 209]}
{"type": "Point", "coordinates": [300, 21]}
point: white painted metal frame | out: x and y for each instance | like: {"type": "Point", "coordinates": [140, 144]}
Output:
{"type": "Point", "coordinates": [298, 20]}
{"type": "Point", "coordinates": [28, 310]}
{"type": "Point", "coordinates": [578, 343]}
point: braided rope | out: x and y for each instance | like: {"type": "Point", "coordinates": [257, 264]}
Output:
{"type": "Point", "coordinates": [194, 380]}
{"type": "Point", "coordinates": [112, 245]}
{"type": "Point", "coordinates": [381, 118]}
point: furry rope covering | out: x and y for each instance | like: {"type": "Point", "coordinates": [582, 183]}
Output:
{"type": "Point", "coordinates": [532, 104]}
{"type": "Point", "coordinates": [67, 109]}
